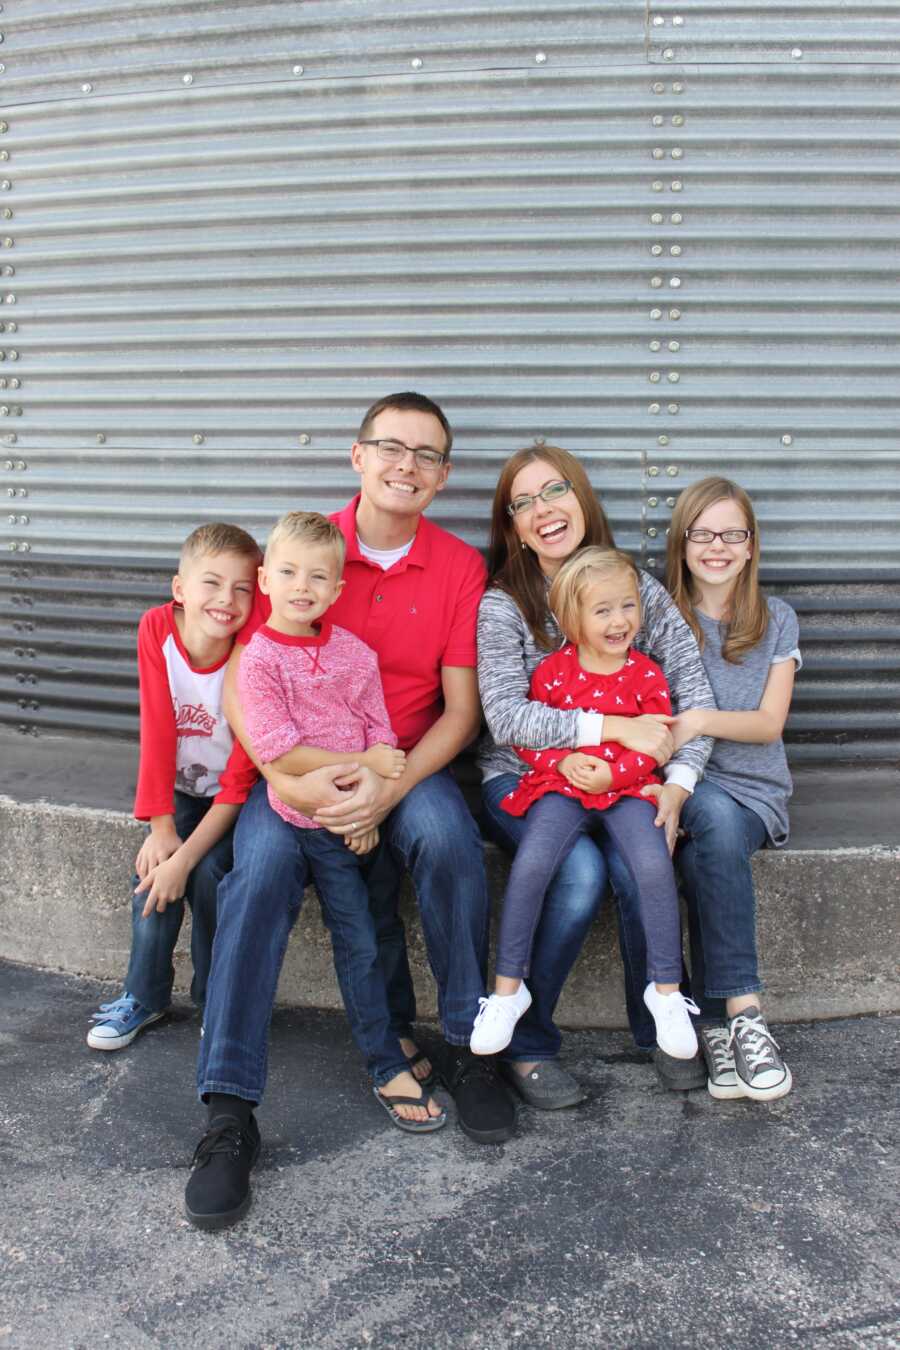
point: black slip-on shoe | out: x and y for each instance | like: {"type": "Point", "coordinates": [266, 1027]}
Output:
{"type": "Point", "coordinates": [484, 1108]}
{"type": "Point", "coordinates": [547, 1087]}
{"type": "Point", "coordinates": [218, 1191]}
{"type": "Point", "coordinates": [679, 1075]}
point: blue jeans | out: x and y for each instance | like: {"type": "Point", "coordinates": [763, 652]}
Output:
{"type": "Point", "coordinates": [570, 906]}
{"type": "Point", "coordinates": [553, 824]}
{"type": "Point", "coordinates": [150, 971]}
{"type": "Point", "coordinates": [434, 836]}
{"type": "Point", "coordinates": [714, 862]}
{"type": "Point", "coordinates": [258, 905]}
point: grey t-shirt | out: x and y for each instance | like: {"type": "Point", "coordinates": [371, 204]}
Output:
{"type": "Point", "coordinates": [755, 775]}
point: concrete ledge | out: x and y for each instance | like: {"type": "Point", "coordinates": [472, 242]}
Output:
{"type": "Point", "coordinates": [829, 925]}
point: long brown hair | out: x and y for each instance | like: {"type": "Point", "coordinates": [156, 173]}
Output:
{"type": "Point", "coordinates": [748, 614]}
{"type": "Point", "coordinates": [515, 569]}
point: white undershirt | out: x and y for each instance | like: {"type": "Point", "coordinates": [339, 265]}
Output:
{"type": "Point", "coordinates": [384, 557]}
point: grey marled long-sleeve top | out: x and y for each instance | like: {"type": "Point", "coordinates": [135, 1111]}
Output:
{"type": "Point", "coordinates": [508, 655]}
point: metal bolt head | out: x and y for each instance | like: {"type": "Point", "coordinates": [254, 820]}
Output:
{"type": "Point", "coordinates": [662, 440]}
{"type": "Point", "coordinates": [12, 326]}
{"type": "Point", "coordinates": [673, 408]}
{"type": "Point", "coordinates": [87, 88]}
{"type": "Point", "coordinates": [656, 120]}
{"type": "Point", "coordinates": [676, 217]}
{"type": "Point", "coordinates": [653, 408]}
{"type": "Point", "coordinates": [4, 126]}
{"type": "Point", "coordinates": [670, 501]}
{"type": "Point", "coordinates": [675, 314]}
{"type": "Point", "coordinates": [677, 185]}
{"type": "Point", "coordinates": [653, 501]}
{"type": "Point", "coordinates": [187, 79]}
{"type": "Point", "coordinates": [656, 281]}
{"type": "Point", "coordinates": [654, 377]}
{"type": "Point", "coordinates": [675, 250]}
{"type": "Point", "coordinates": [540, 58]}
{"type": "Point", "coordinates": [678, 120]}
{"type": "Point", "coordinates": [10, 299]}
{"type": "Point", "coordinates": [672, 470]}
{"type": "Point", "coordinates": [656, 314]}
{"type": "Point", "coordinates": [7, 242]}
{"type": "Point", "coordinates": [653, 471]}
{"type": "Point", "coordinates": [657, 87]}
{"type": "Point", "coordinates": [796, 53]}
{"type": "Point", "coordinates": [674, 346]}
{"type": "Point", "coordinates": [677, 20]}
{"type": "Point", "coordinates": [416, 63]}
{"type": "Point", "coordinates": [5, 185]}
{"type": "Point", "coordinates": [101, 439]}
{"type": "Point", "coordinates": [658, 20]}
{"type": "Point", "coordinates": [658, 152]}
{"type": "Point", "coordinates": [656, 218]}
{"type": "Point", "coordinates": [7, 213]}
{"type": "Point", "coordinates": [653, 532]}
{"type": "Point", "coordinates": [668, 54]}
{"type": "Point", "coordinates": [787, 440]}
{"type": "Point", "coordinates": [656, 249]}
{"type": "Point", "coordinates": [304, 438]}
{"type": "Point", "coordinates": [540, 440]}
{"type": "Point", "coordinates": [657, 185]}
{"type": "Point", "coordinates": [655, 345]}
{"type": "Point", "coordinates": [677, 152]}
{"type": "Point", "coordinates": [198, 438]}
{"type": "Point", "coordinates": [675, 282]}
{"type": "Point", "coordinates": [13, 355]}
{"type": "Point", "coordinates": [673, 377]}
{"type": "Point", "coordinates": [4, 155]}
{"type": "Point", "coordinates": [23, 520]}
{"type": "Point", "coordinates": [677, 87]}
{"type": "Point", "coordinates": [296, 70]}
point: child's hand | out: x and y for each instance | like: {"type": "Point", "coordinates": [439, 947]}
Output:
{"type": "Point", "coordinates": [156, 848]}
{"type": "Point", "coordinates": [687, 726]}
{"type": "Point", "coordinates": [586, 772]}
{"type": "Point", "coordinates": [385, 760]}
{"type": "Point", "coordinates": [669, 801]}
{"type": "Point", "coordinates": [166, 883]}
{"type": "Point", "coordinates": [362, 843]}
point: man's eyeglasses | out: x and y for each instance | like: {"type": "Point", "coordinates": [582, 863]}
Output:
{"type": "Point", "coordinates": [727, 536]}
{"type": "Point", "coordinates": [551, 493]}
{"type": "Point", "coordinates": [393, 451]}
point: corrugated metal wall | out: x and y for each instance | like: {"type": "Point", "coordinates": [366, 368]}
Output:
{"type": "Point", "coordinates": [665, 239]}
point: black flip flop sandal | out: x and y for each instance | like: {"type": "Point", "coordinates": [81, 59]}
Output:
{"type": "Point", "coordinates": [417, 1058]}
{"type": "Point", "coordinates": [411, 1126]}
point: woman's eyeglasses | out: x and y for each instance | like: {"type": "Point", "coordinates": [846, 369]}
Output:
{"type": "Point", "coordinates": [727, 536]}
{"type": "Point", "coordinates": [551, 493]}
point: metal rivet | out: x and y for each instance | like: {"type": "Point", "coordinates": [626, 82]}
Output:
{"type": "Point", "coordinates": [658, 152]}
{"type": "Point", "coordinates": [677, 152]}
{"type": "Point", "coordinates": [540, 58]}
{"type": "Point", "coordinates": [653, 501]}
{"type": "Point", "coordinates": [8, 271]}
{"type": "Point", "coordinates": [662, 440]}
{"type": "Point", "coordinates": [677, 20]}
{"type": "Point", "coordinates": [678, 120]}
{"type": "Point", "coordinates": [26, 548]}
{"type": "Point", "coordinates": [673, 377]}
{"type": "Point", "coordinates": [658, 21]}
{"type": "Point", "coordinates": [677, 87]}
{"type": "Point", "coordinates": [672, 470]}
{"type": "Point", "coordinates": [674, 346]}
{"type": "Point", "coordinates": [796, 53]}
{"type": "Point", "coordinates": [4, 155]}
{"type": "Point", "coordinates": [656, 120]}
{"type": "Point", "coordinates": [12, 327]}
{"type": "Point", "coordinates": [296, 70]}
{"type": "Point", "coordinates": [673, 408]}
{"type": "Point", "coordinates": [677, 184]}
{"type": "Point", "coordinates": [101, 439]}
{"type": "Point", "coordinates": [7, 242]}
{"type": "Point", "coordinates": [10, 299]}
{"type": "Point", "coordinates": [656, 314]}
{"type": "Point", "coordinates": [676, 217]}
{"type": "Point", "coordinates": [7, 213]}
{"type": "Point", "coordinates": [540, 440]}
{"type": "Point", "coordinates": [668, 54]}
{"type": "Point", "coordinates": [656, 250]}
{"type": "Point", "coordinates": [653, 532]}
{"type": "Point", "coordinates": [651, 562]}
{"type": "Point", "coordinates": [187, 79]}
{"type": "Point", "coordinates": [674, 313]}
{"type": "Point", "coordinates": [197, 438]}
{"type": "Point", "coordinates": [656, 218]}
{"type": "Point", "coordinates": [787, 440]}
{"type": "Point", "coordinates": [4, 126]}
{"type": "Point", "coordinates": [13, 355]}
{"type": "Point", "coordinates": [12, 520]}
{"type": "Point", "coordinates": [653, 471]}
{"type": "Point", "coordinates": [658, 87]}
{"type": "Point", "coordinates": [653, 377]}
{"type": "Point", "coordinates": [303, 438]}
{"type": "Point", "coordinates": [11, 438]}
{"type": "Point", "coordinates": [5, 185]}
{"type": "Point", "coordinates": [416, 63]}
{"type": "Point", "coordinates": [653, 408]}
{"type": "Point", "coordinates": [655, 345]}
{"type": "Point", "coordinates": [87, 88]}
{"type": "Point", "coordinates": [675, 250]}
{"type": "Point", "coordinates": [670, 501]}
{"type": "Point", "coordinates": [10, 492]}
{"type": "Point", "coordinates": [657, 185]}
{"type": "Point", "coordinates": [675, 281]}
{"type": "Point", "coordinates": [4, 410]}
{"type": "Point", "coordinates": [21, 492]}
{"type": "Point", "coordinates": [656, 281]}
{"type": "Point", "coordinates": [23, 520]}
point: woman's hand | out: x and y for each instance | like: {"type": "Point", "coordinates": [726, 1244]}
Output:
{"type": "Point", "coordinates": [586, 772]}
{"type": "Point", "coordinates": [688, 725]}
{"type": "Point", "coordinates": [648, 734]}
{"type": "Point", "coordinates": [669, 801]}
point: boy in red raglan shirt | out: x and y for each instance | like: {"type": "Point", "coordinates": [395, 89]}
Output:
{"type": "Point", "coordinates": [192, 778]}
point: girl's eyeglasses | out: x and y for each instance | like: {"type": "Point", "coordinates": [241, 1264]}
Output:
{"type": "Point", "coordinates": [727, 536]}
{"type": "Point", "coordinates": [550, 493]}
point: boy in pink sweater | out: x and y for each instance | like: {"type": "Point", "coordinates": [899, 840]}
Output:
{"type": "Point", "coordinates": [311, 696]}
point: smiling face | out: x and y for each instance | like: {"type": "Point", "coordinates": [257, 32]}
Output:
{"type": "Point", "coordinates": [552, 530]}
{"type": "Point", "coordinates": [715, 567]}
{"type": "Point", "coordinates": [215, 591]}
{"type": "Point", "coordinates": [404, 489]}
{"type": "Point", "coordinates": [302, 580]}
{"type": "Point", "coordinates": [609, 619]}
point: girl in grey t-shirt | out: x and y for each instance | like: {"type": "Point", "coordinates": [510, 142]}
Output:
{"type": "Point", "coordinates": [749, 651]}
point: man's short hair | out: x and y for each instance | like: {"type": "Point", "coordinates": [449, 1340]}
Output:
{"type": "Point", "coordinates": [406, 402]}
{"type": "Point", "coordinates": [310, 527]}
{"type": "Point", "coordinates": [219, 537]}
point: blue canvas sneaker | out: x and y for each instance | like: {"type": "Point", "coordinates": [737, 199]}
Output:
{"type": "Point", "coordinates": [118, 1023]}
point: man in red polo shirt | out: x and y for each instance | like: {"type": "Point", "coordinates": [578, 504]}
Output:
{"type": "Point", "coordinates": [411, 593]}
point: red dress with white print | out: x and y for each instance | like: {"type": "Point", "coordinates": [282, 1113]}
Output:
{"type": "Point", "coordinates": [561, 681]}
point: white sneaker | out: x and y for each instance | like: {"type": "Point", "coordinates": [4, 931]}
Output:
{"type": "Point", "coordinates": [496, 1021]}
{"type": "Point", "coordinates": [674, 1030]}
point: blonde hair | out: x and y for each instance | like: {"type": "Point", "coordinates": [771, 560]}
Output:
{"type": "Point", "coordinates": [219, 537]}
{"type": "Point", "coordinates": [311, 528]}
{"type": "Point", "coordinates": [748, 614]}
{"type": "Point", "coordinates": [576, 575]}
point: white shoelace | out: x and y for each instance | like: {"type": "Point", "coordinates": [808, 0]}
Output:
{"type": "Point", "coordinates": [719, 1042]}
{"type": "Point", "coordinates": [674, 1004]}
{"type": "Point", "coordinates": [756, 1040]}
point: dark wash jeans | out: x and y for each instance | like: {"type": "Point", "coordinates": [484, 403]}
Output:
{"type": "Point", "coordinates": [714, 862]}
{"type": "Point", "coordinates": [570, 906]}
{"type": "Point", "coordinates": [552, 825]}
{"type": "Point", "coordinates": [150, 970]}
{"type": "Point", "coordinates": [432, 834]}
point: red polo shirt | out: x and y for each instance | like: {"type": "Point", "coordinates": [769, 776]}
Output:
{"type": "Point", "coordinates": [418, 616]}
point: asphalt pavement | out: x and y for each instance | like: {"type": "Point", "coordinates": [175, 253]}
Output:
{"type": "Point", "coordinates": [641, 1219]}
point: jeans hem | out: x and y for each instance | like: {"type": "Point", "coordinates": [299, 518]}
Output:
{"type": "Point", "coordinates": [210, 1085]}
{"type": "Point", "coordinates": [385, 1075]}
{"type": "Point", "coordinates": [756, 988]}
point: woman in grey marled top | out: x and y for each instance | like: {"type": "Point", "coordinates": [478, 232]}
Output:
{"type": "Point", "coordinates": [515, 632]}
{"type": "Point", "coordinates": [750, 652]}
